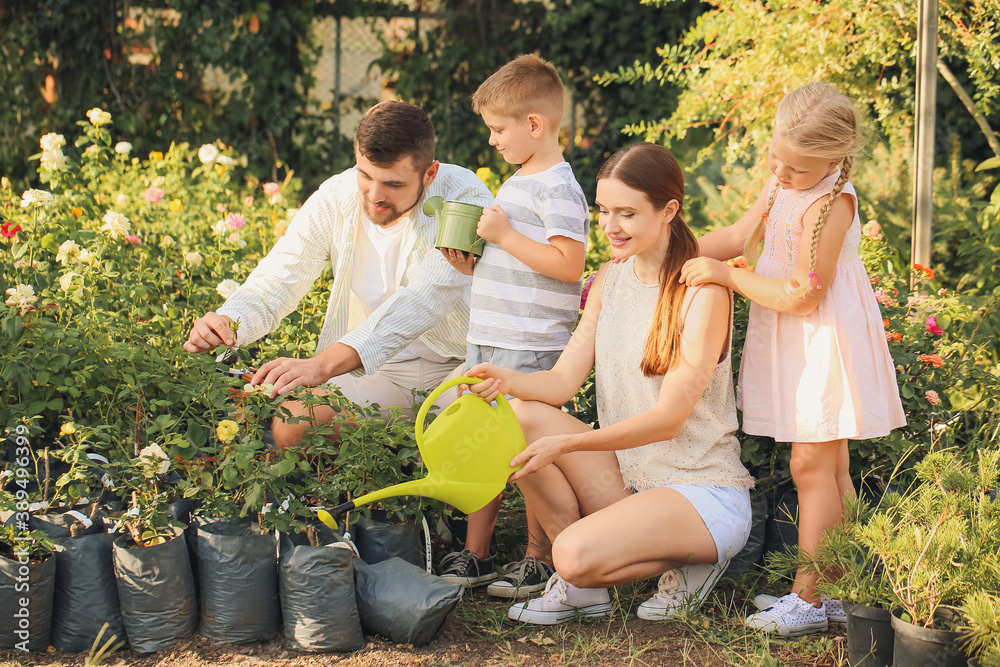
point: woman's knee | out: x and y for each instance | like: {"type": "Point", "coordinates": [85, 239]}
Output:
{"type": "Point", "coordinates": [572, 559]}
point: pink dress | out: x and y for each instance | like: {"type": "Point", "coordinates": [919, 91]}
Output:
{"type": "Point", "coordinates": [827, 375]}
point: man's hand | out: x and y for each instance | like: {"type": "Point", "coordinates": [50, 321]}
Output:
{"type": "Point", "coordinates": [286, 373]}
{"type": "Point", "coordinates": [493, 224]}
{"type": "Point", "coordinates": [464, 262]}
{"type": "Point", "coordinates": [209, 332]}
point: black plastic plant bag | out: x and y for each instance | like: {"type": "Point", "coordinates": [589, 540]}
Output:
{"type": "Point", "coordinates": [57, 524]}
{"type": "Point", "coordinates": [156, 591]}
{"type": "Point", "coordinates": [316, 586]}
{"type": "Point", "coordinates": [26, 603]}
{"type": "Point", "coordinates": [86, 593]}
{"type": "Point", "coordinates": [238, 571]}
{"type": "Point", "coordinates": [402, 602]}
{"type": "Point", "coordinates": [378, 541]}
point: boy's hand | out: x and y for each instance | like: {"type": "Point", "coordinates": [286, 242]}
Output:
{"type": "Point", "coordinates": [493, 224]}
{"type": "Point", "coordinates": [464, 262]}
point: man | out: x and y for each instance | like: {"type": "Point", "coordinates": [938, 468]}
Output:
{"type": "Point", "coordinates": [398, 313]}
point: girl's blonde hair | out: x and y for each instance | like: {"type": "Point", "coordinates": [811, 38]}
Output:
{"type": "Point", "coordinates": [815, 121]}
{"type": "Point", "coordinates": [652, 170]}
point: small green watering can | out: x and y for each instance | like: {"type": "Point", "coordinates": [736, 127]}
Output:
{"type": "Point", "coordinates": [457, 224]}
{"type": "Point", "coordinates": [467, 451]}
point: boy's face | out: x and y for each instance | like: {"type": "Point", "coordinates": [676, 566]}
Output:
{"type": "Point", "coordinates": [512, 137]}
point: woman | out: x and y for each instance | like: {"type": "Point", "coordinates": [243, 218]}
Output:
{"type": "Point", "coordinates": [659, 488]}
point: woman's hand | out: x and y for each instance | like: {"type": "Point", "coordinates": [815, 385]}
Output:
{"type": "Point", "coordinates": [540, 453]}
{"type": "Point", "coordinates": [701, 270]}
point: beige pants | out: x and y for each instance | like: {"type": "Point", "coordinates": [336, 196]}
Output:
{"type": "Point", "coordinates": [392, 384]}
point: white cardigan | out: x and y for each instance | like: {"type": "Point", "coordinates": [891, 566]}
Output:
{"type": "Point", "coordinates": [431, 301]}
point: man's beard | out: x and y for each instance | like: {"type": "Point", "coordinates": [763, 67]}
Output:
{"type": "Point", "coordinates": [390, 216]}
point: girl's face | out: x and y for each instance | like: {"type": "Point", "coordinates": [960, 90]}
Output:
{"type": "Point", "coordinates": [794, 171]}
{"type": "Point", "coordinates": [629, 220]}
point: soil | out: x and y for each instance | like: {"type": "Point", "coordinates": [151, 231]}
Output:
{"type": "Point", "coordinates": [478, 635]}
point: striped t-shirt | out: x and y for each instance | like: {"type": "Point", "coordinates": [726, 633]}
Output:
{"type": "Point", "coordinates": [513, 306]}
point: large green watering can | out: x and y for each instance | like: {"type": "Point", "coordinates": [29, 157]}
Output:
{"type": "Point", "coordinates": [467, 452]}
{"type": "Point", "coordinates": [457, 223]}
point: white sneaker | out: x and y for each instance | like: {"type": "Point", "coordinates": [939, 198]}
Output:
{"type": "Point", "coordinates": [789, 616]}
{"type": "Point", "coordinates": [834, 609]}
{"type": "Point", "coordinates": [560, 602]}
{"type": "Point", "coordinates": [682, 589]}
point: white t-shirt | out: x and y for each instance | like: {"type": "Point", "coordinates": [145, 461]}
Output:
{"type": "Point", "coordinates": [373, 275]}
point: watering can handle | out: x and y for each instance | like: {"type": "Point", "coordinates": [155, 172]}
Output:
{"type": "Point", "coordinates": [434, 395]}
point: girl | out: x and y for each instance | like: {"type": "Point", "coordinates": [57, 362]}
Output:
{"type": "Point", "coordinates": [659, 488]}
{"type": "Point", "coordinates": [816, 368]}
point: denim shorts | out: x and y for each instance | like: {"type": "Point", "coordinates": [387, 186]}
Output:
{"type": "Point", "coordinates": [726, 513]}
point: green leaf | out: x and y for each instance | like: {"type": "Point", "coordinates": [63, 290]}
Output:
{"type": "Point", "coordinates": [991, 163]}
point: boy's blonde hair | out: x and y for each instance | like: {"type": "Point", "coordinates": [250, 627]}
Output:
{"type": "Point", "coordinates": [523, 86]}
{"type": "Point", "coordinates": [814, 121]}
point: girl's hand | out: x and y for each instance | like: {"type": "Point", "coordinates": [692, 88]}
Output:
{"type": "Point", "coordinates": [539, 454]}
{"type": "Point", "coordinates": [495, 381]}
{"type": "Point", "coordinates": [701, 270]}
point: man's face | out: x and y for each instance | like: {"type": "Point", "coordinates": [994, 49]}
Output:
{"type": "Point", "coordinates": [390, 193]}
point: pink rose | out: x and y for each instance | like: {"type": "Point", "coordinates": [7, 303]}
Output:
{"type": "Point", "coordinates": [872, 230]}
{"type": "Point", "coordinates": [586, 290]}
{"type": "Point", "coordinates": [153, 195]}
{"type": "Point", "coordinates": [248, 202]}
{"type": "Point", "coordinates": [271, 188]}
{"type": "Point", "coordinates": [133, 239]}
{"type": "Point", "coordinates": [235, 221]}
{"type": "Point", "coordinates": [932, 397]}
{"type": "Point", "coordinates": [220, 208]}
{"type": "Point", "coordinates": [932, 326]}
{"type": "Point", "coordinates": [884, 299]}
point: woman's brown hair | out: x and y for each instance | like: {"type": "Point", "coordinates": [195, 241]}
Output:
{"type": "Point", "coordinates": [652, 170]}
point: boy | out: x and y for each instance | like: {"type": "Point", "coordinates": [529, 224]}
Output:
{"type": "Point", "coordinates": [526, 286]}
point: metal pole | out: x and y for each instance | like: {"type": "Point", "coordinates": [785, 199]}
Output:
{"type": "Point", "coordinates": [923, 158]}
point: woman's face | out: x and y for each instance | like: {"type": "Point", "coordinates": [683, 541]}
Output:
{"type": "Point", "coordinates": [629, 219]}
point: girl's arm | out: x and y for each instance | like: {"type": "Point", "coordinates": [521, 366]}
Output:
{"type": "Point", "coordinates": [560, 384]}
{"type": "Point", "coordinates": [727, 242]}
{"type": "Point", "coordinates": [706, 333]}
{"type": "Point", "coordinates": [774, 293]}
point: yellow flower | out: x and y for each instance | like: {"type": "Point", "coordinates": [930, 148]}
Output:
{"type": "Point", "coordinates": [156, 155]}
{"type": "Point", "coordinates": [227, 430]}
{"type": "Point", "coordinates": [220, 169]}
{"type": "Point", "coordinates": [483, 174]}
{"type": "Point", "coordinates": [67, 429]}
{"type": "Point", "coordinates": [135, 162]}
{"type": "Point", "coordinates": [76, 211]}
{"type": "Point", "coordinates": [175, 205]}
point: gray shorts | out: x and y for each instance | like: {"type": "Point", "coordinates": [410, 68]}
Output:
{"type": "Point", "coordinates": [525, 361]}
{"type": "Point", "coordinates": [726, 513]}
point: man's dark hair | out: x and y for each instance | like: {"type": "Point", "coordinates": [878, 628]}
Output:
{"type": "Point", "coordinates": [392, 130]}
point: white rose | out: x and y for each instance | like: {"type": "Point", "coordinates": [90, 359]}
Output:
{"type": "Point", "coordinates": [123, 148]}
{"type": "Point", "coordinates": [66, 280]}
{"type": "Point", "coordinates": [98, 117]}
{"type": "Point", "coordinates": [166, 241]}
{"type": "Point", "coordinates": [86, 255]}
{"type": "Point", "coordinates": [227, 287]}
{"type": "Point", "coordinates": [67, 249]}
{"type": "Point", "coordinates": [21, 296]}
{"type": "Point", "coordinates": [116, 224]}
{"type": "Point", "coordinates": [225, 159]}
{"type": "Point", "coordinates": [220, 227]}
{"type": "Point", "coordinates": [236, 240]}
{"type": "Point", "coordinates": [208, 153]}
{"type": "Point", "coordinates": [52, 141]}
{"type": "Point", "coordinates": [121, 199]}
{"type": "Point", "coordinates": [53, 160]}
{"type": "Point", "coordinates": [193, 258]}
{"type": "Point", "coordinates": [34, 197]}
{"type": "Point", "coordinates": [155, 455]}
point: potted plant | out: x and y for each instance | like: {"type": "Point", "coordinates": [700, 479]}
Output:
{"type": "Point", "coordinates": [982, 634]}
{"type": "Point", "coordinates": [27, 581]}
{"type": "Point", "coordinates": [932, 542]}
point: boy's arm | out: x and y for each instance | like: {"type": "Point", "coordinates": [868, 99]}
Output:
{"type": "Point", "coordinates": [561, 258]}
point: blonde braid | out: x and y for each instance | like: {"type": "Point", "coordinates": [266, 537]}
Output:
{"type": "Point", "coordinates": [824, 213]}
{"type": "Point", "coordinates": [751, 247]}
